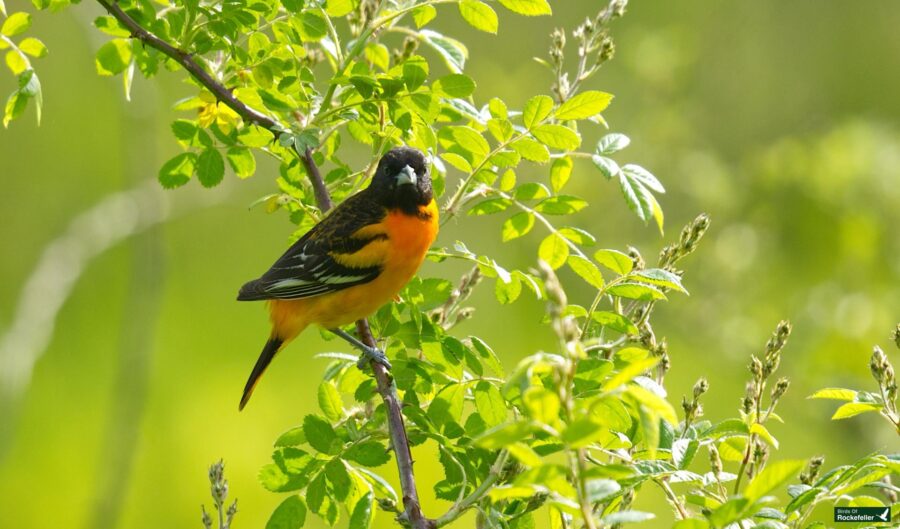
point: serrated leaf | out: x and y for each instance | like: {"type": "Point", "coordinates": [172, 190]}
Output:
{"type": "Point", "coordinates": [517, 225]}
{"type": "Point", "coordinates": [584, 105]}
{"type": "Point", "coordinates": [531, 150]}
{"type": "Point", "coordinates": [178, 170]}
{"type": "Point", "coordinates": [368, 453]}
{"type": "Point", "coordinates": [470, 140]}
{"type": "Point", "coordinates": [242, 161]}
{"type": "Point", "coordinates": [311, 25]}
{"type": "Point", "coordinates": [490, 404]}
{"type": "Point", "coordinates": [528, 7]}
{"type": "Point", "coordinates": [615, 260]}
{"type": "Point", "coordinates": [452, 51]}
{"type": "Point", "coordinates": [612, 143]}
{"type": "Point", "coordinates": [454, 85]}
{"type": "Point", "coordinates": [479, 15]}
{"type": "Point", "coordinates": [852, 409]}
{"type": "Point", "coordinates": [560, 172]}
{"type": "Point", "coordinates": [554, 250]}
{"type": "Point", "coordinates": [504, 435]}
{"type": "Point", "coordinates": [775, 474]}
{"type": "Point", "coordinates": [834, 394]}
{"type": "Point", "coordinates": [607, 166]}
{"type": "Point", "coordinates": [763, 432]}
{"type": "Point", "coordinates": [292, 437]}
{"type": "Point", "coordinates": [16, 24]}
{"type": "Point", "coordinates": [320, 434]}
{"type": "Point", "coordinates": [541, 404]}
{"type": "Point", "coordinates": [660, 276]}
{"type": "Point", "coordinates": [490, 206]}
{"type": "Point", "coordinates": [330, 401]}
{"type": "Point", "coordinates": [363, 512]}
{"type": "Point", "coordinates": [639, 291]}
{"type": "Point", "coordinates": [614, 321]}
{"type": "Point", "coordinates": [415, 72]}
{"type": "Point", "coordinates": [33, 47]}
{"type": "Point", "coordinates": [561, 205]}
{"type": "Point", "coordinates": [423, 14]}
{"type": "Point", "coordinates": [536, 110]}
{"type": "Point", "coordinates": [210, 167]}
{"type": "Point", "coordinates": [290, 514]}
{"type": "Point", "coordinates": [578, 236]}
{"type": "Point", "coordinates": [586, 270]}
{"type": "Point", "coordinates": [644, 176]}
{"type": "Point", "coordinates": [113, 57]}
{"type": "Point", "coordinates": [339, 8]}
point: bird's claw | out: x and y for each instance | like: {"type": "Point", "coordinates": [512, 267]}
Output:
{"type": "Point", "coordinates": [373, 354]}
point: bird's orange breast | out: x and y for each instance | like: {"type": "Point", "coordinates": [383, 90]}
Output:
{"type": "Point", "coordinates": [399, 255]}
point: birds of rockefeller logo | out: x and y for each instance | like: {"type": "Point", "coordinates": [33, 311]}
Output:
{"type": "Point", "coordinates": [862, 514]}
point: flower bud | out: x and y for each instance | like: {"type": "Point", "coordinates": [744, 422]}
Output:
{"type": "Point", "coordinates": [701, 387]}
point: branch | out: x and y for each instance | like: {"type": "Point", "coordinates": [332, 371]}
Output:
{"type": "Point", "coordinates": [224, 95]}
{"type": "Point", "coordinates": [413, 511]}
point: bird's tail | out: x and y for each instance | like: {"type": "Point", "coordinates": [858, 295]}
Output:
{"type": "Point", "coordinates": [265, 357]}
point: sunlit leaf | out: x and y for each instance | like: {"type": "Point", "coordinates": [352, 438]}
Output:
{"type": "Point", "coordinates": [479, 15]}
{"type": "Point", "coordinates": [584, 105]}
{"type": "Point", "coordinates": [528, 7]}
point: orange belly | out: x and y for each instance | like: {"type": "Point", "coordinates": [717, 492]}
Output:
{"type": "Point", "coordinates": [408, 240]}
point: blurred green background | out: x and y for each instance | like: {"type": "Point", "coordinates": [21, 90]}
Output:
{"type": "Point", "coordinates": [779, 119]}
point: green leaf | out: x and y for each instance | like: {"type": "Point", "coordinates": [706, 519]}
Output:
{"type": "Point", "coordinates": [517, 225]}
{"type": "Point", "coordinates": [113, 57]}
{"type": "Point", "coordinates": [528, 7]}
{"type": "Point", "coordinates": [312, 26]}
{"type": "Point", "coordinates": [536, 110]}
{"type": "Point", "coordinates": [561, 205]}
{"type": "Point", "coordinates": [363, 513]}
{"type": "Point", "coordinates": [582, 432]}
{"type": "Point", "coordinates": [184, 130]}
{"type": "Point", "coordinates": [586, 270]}
{"type": "Point", "coordinates": [615, 260]}
{"type": "Point", "coordinates": [490, 206]}
{"type": "Point", "coordinates": [470, 140]}
{"type": "Point", "coordinates": [607, 166]}
{"type": "Point", "coordinates": [531, 150]}
{"type": "Point", "coordinates": [339, 8]}
{"type": "Point", "coordinates": [852, 409]}
{"type": "Point", "coordinates": [504, 435]}
{"type": "Point", "coordinates": [763, 432]}
{"type": "Point", "coordinates": [452, 51]}
{"type": "Point", "coordinates": [584, 105]}
{"type": "Point", "coordinates": [525, 454]}
{"type": "Point", "coordinates": [415, 72]}
{"type": "Point", "coordinates": [33, 47]}
{"type": "Point", "coordinates": [423, 14]}
{"type": "Point", "coordinates": [479, 15]}
{"type": "Point", "coordinates": [834, 393]}
{"type": "Point", "coordinates": [210, 167]}
{"type": "Point", "coordinates": [560, 172]}
{"type": "Point", "coordinates": [457, 161]}
{"type": "Point", "coordinates": [557, 136]}
{"type": "Point", "coordinates": [177, 171]}
{"type": "Point", "coordinates": [531, 191]}
{"type": "Point", "coordinates": [16, 62]}
{"type": "Point", "coordinates": [111, 27]}
{"type": "Point", "coordinates": [627, 517]}
{"type": "Point", "coordinates": [578, 236]}
{"type": "Point", "coordinates": [612, 143]}
{"type": "Point", "coordinates": [320, 434]}
{"type": "Point", "coordinates": [16, 24]}
{"type": "Point", "coordinates": [614, 321]}
{"type": "Point", "coordinates": [773, 476]}
{"type": "Point", "coordinates": [330, 401]}
{"type": "Point", "coordinates": [15, 106]}
{"type": "Point", "coordinates": [600, 489]}
{"type": "Point", "coordinates": [242, 161]}
{"type": "Point", "coordinates": [662, 277]}
{"type": "Point", "coordinates": [292, 437]}
{"type": "Point", "coordinates": [542, 404]}
{"type": "Point", "coordinates": [636, 291]}
{"type": "Point", "coordinates": [454, 85]}
{"type": "Point", "coordinates": [447, 405]}
{"type": "Point", "coordinates": [368, 453]}
{"type": "Point", "coordinates": [490, 404]}
{"type": "Point", "coordinates": [643, 176]}
{"type": "Point", "coordinates": [290, 514]}
{"type": "Point", "coordinates": [554, 250]}
{"type": "Point", "coordinates": [630, 371]}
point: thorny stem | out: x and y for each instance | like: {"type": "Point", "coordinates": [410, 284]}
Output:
{"type": "Point", "coordinates": [670, 494]}
{"type": "Point", "coordinates": [413, 513]}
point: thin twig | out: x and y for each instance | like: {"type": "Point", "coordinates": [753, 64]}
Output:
{"type": "Point", "coordinates": [413, 512]}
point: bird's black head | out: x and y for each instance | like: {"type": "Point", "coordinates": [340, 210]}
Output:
{"type": "Point", "coordinates": [402, 180]}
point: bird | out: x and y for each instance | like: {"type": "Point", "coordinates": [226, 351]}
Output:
{"type": "Point", "coordinates": [354, 260]}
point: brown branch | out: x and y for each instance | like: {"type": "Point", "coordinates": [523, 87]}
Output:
{"type": "Point", "coordinates": [223, 94]}
{"type": "Point", "coordinates": [412, 515]}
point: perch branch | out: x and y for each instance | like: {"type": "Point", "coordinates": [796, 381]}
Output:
{"type": "Point", "coordinates": [412, 515]}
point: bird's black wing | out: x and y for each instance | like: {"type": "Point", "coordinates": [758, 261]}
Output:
{"type": "Point", "coordinates": [311, 267]}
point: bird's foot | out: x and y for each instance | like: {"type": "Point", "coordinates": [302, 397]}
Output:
{"type": "Point", "coordinates": [372, 354]}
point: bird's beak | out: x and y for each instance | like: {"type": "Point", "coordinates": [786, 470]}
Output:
{"type": "Point", "coordinates": [406, 176]}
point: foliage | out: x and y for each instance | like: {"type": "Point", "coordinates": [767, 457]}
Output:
{"type": "Point", "coordinates": [572, 434]}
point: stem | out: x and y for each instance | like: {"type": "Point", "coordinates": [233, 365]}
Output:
{"type": "Point", "coordinates": [460, 507]}
{"type": "Point", "coordinates": [670, 494]}
{"type": "Point", "coordinates": [412, 508]}
{"type": "Point", "coordinates": [413, 512]}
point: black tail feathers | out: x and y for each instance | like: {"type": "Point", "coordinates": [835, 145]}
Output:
{"type": "Point", "coordinates": [252, 291]}
{"type": "Point", "coordinates": [265, 357]}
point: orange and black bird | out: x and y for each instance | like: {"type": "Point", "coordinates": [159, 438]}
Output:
{"type": "Point", "coordinates": [356, 259]}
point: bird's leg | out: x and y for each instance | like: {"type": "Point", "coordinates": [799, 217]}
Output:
{"type": "Point", "coordinates": [372, 354]}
